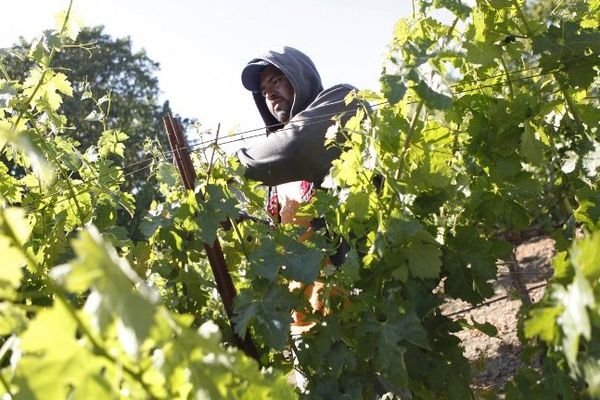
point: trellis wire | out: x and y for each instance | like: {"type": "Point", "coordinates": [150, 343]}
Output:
{"type": "Point", "coordinates": [308, 121]}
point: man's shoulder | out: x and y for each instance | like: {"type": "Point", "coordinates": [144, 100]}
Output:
{"type": "Point", "coordinates": [335, 93]}
{"type": "Point", "coordinates": [341, 87]}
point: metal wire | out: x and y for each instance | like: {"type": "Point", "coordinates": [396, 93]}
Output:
{"type": "Point", "coordinates": [492, 301]}
{"type": "Point", "coordinates": [263, 128]}
{"type": "Point", "coordinates": [203, 145]}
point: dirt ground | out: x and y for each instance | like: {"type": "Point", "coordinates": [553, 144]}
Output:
{"type": "Point", "coordinates": [495, 359]}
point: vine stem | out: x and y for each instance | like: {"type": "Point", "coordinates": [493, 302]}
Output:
{"type": "Point", "coordinates": [6, 386]}
{"type": "Point", "coordinates": [50, 58]}
{"type": "Point", "coordinates": [406, 146]}
{"type": "Point", "coordinates": [516, 278]}
{"type": "Point", "coordinates": [58, 292]}
{"type": "Point", "coordinates": [212, 156]}
{"type": "Point", "coordinates": [98, 176]}
{"type": "Point", "coordinates": [3, 351]}
{"type": "Point", "coordinates": [23, 111]}
{"type": "Point", "coordinates": [570, 104]}
{"type": "Point", "coordinates": [564, 90]}
{"type": "Point", "coordinates": [240, 238]}
{"type": "Point", "coordinates": [63, 173]}
{"type": "Point", "coordinates": [4, 72]}
{"type": "Point", "coordinates": [508, 79]}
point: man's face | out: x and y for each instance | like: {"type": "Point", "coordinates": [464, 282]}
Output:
{"type": "Point", "coordinates": [278, 93]}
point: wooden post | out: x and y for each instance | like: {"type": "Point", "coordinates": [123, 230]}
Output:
{"type": "Point", "coordinates": [214, 252]}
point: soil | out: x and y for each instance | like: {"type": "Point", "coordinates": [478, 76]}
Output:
{"type": "Point", "coordinates": [494, 360]}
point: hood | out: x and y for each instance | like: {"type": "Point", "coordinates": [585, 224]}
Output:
{"type": "Point", "coordinates": [303, 76]}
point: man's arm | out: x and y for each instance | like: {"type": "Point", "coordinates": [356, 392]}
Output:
{"type": "Point", "coordinates": [297, 151]}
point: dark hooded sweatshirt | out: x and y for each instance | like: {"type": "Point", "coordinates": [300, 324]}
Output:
{"type": "Point", "coordinates": [296, 151]}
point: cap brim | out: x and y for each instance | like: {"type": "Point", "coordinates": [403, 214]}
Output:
{"type": "Point", "coordinates": [251, 75]}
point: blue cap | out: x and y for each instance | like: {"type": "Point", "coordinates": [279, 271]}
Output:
{"type": "Point", "coordinates": [251, 75]}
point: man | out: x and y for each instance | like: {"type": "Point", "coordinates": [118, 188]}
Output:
{"type": "Point", "coordinates": [292, 159]}
{"type": "Point", "coordinates": [297, 112]}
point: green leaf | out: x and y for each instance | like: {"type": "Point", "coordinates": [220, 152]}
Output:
{"type": "Point", "coordinates": [358, 204]}
{"type": "Point", "coordinates": [470, 262]}
{"type": "Point", "coordinates": [432, 98]}
{"type": "Point", "coordinates": [55, 363]}
{"type": "Point", "coordinates": [432, 158]}
{"type": "Point", "coordinates": [497, 209]}
{"type": "Point", "coordinates": [50, 85]}
{"type": "Point", "coordinates": [569, 45]}
{"type": "Point", "coordinates": [350, 270]}
{"type": "Point", "coordinates": [401, 230]}
{"type": "Point", "coordinates": [588, 211]}
{"type": "Point", "coordinates": [11, 272]}
{"type": "Point", "coordinates": [13, 320]}
{"type": "Point", "coordinates": [35, 157]}
{"type": "Point", "coordinates": [456, 6]}
{"type": "Point", "coordinates": [542, 322]}
{"type": "Point", "coordinates": [70, 26]}
{"type": "Point", "coordinates": [302, 262]}
{"type": "Point", "coordinates": [296, 261]}
{"type": "Point", "coordinates": [111, 280]}
{"type": "Point", "coordinates": [150, 224]}
{"type": "Point", "coordinates": [390, 330]}
{"type": "Point", "coordinates": [532, 147]}
{"type": "Point", "coordinates": [575, 320]}
{"type": "Point", "coordinates": [111, 142]}
{"type": "Point", "coordinates": [424, 259]}
{"type": "Point", "coordinates": [10, 189]}
{"type": "Point", "coordinates": [483, 53]}
{"type": "Point", "coordinates": [486, 327]}
{"type": "Point", "coordinates": [167, 174]}
{"type": "Point", "coordinates": [500, 3]}
{"type": "Point", "coordinates": [345, 167]}
{"type": "Point", "coordinates": [216, 208]}
{"type": "Point", "coordinates": [585, 256]}
{"type": "Point", "coordinates": [393, 88]}
{"type": "Point", "coordinates": [269, 311]}
{"type": "Point", "coordinates": [266, 261]}
{"type": "Point", "coordinates": [15, 224]}
{"type": "Point", "coordinates": [562, 267]}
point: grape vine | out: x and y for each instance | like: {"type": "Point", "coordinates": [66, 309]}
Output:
{"type": "Point", "coordinates": [486, 128]}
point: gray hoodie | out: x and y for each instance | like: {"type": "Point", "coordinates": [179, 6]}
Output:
{"type": "Point", "coordinates": [296, 151]}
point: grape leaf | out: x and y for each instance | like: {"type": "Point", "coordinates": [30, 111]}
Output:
{"type": "Point", "coordinates": [424, 260]}
{"type": "Point", "coordinates": [10, 189]}
{"type": "Point", "coordinates": [111, 142]}
{"type": "Point", "coordinates": [456, 6]}
{"type": "Point", "coordinates": [296, 261]}
{"type": "Point", "coordinates": [575, 321]}
{"type": "Point", "coordinates": [585, 256]}
{"type": "Point", "coordinates": [393, 88]}
{"type": "Point", "coordinates": [13, 320]}
{"type": "Point", "coordinates": [110, 278]}
{"type": "Point", "coordinates": [542, 322]}
{"type": "Point", "coordinates": [35, 157]}
{"type": "Point", "coordinates": [47, 93]}
{"type": "Point", "coordinates": [432, 98]}
{"type": "Point", "coordinates": [532, 147]}
{"type": "Point", "coordinates": [269, 311]}
{"type": "Point", "coordinates": [390, 330]}
{"type": "Point", "coordinates": [55, 364]}
{"type": "Point", "coordinates": [216, 208]}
